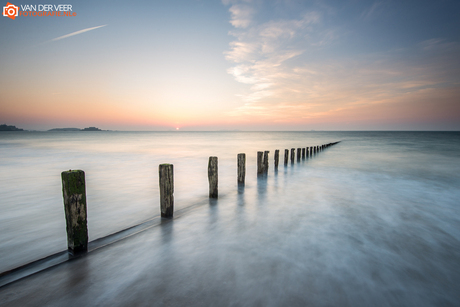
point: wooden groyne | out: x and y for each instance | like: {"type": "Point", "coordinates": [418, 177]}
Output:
{"type": "Point", "coordinates": [75, 205]}
{"type": "Point", "coordinates": [74, 194]}
{"type": "Point", "coordinates": [74, 190]}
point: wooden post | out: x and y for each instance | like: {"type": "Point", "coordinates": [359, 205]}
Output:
{"type": "Point", "coordinates": [303, 152]}
{"type": "Point", "coordinates": [299, 150]}
{"type": "Point", "coordinates": [241, 167]}
{"type": "Point", "coordinates": [292, 155]}
{"type": "Point", "coordinates": [166, 178]}
{"type": "Point", "coordinates": [212, 177]}
{"type": "Point", "coordinates": [277, 157]}
{"type": "Point", "coordinates": [260, 162]}
{"type": "Point", "coordinates": [307, 152]}
{"type": "Point", "coordinates": [74, 193]}
{"type": "Point", "coordinates": [286, 156]}
{"type": "Point", "coordinates": [266, 161]}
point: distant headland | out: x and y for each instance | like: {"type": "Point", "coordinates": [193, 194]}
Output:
{"type": "Point", "coordinates": [5, 127]}
{"type": "Point", "coordinates": [77, 129]}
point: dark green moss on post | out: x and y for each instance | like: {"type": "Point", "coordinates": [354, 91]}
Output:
{"type": "Point", "coordinates": [166, 178]}
{"type": "Point", "coordinates": [74, 194]}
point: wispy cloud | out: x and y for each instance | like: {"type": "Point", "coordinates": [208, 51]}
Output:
{"type": "Point", "coordinates": [371, 11]}
{"type": "Point", "coordinates": [76, 33]}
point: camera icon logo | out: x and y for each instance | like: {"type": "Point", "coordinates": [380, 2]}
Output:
{"type": "Point", "coordinates": [10, 10]}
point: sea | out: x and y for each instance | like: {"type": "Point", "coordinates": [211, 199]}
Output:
{"type": "Point", "coordinates": [377, 206]}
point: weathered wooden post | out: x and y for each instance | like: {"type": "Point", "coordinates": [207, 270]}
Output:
{"type": "Point", "coordinates": [303, 152]}
{"type": "Point", "coordinates": [299, 150]}
{"type": "Point", "coordinates": [74, 193]}
{"type": "Point", "coordinates": [311, 151]}
{"type": "Point", "coordinates": [260, 162]}
{"type": "Point", "coordinates": [241, 158]}
{"type": "Point", "coordinates": [266, 161]}
{"type": "Point", "coordinates": [286, 156]}
{"type": "Point", "coordinates": [212, 177]}
{"type": "Point", "coordinates": [277, 157]}
{"type": "Point", "coordinates": [166, 177]}
{"type": "Point", "coordinates": [292, 155]}
{"type": "Point", "coordinates": [307, 152]}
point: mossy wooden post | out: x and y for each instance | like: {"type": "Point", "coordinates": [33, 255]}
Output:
{"type": "Point", "coordinates": [307, 152]}
{"type": "Point", "coordinates": [277, 157]}
{"type": "Point", "coordinates": [311, 151]}
{"type": "Point", "coordinates": [241, 158]}
{"type": "Point", "coordinates": [74, 193]}
{"type": "Point", "coordinates": [286, 156]}
{"type": "Point", "coordinates": [166, 175]}
{"type": "Point", "coordinates": [303, 153]}
{"type": "Point", "coordinates": [266, 161]}
{"type": "Point", "coordinates": [260, 162]}
{"type": "Point", "coordinates": [292, 155]}
{"type": "Point", "coordinates": [299, 150]}
{"type": "Point", "coordinates": [212, 177]}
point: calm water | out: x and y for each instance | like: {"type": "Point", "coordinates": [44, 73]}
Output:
{"type": "Point", "coordinates": [390, 198]}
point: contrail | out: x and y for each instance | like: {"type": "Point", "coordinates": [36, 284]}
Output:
{"type": "Point", "coordinates": [76, 33]}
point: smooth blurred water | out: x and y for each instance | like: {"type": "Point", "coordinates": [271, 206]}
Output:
{"type": "Point", "coordinates": [392, 195]}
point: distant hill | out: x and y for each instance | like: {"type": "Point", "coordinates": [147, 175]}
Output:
{"type": "Point", "coordinates": [65, 129]}
{"type": "Point", "coordinates": [76, 129]}
{"type": "Point", "coordinates": [91, 129]}
{"type": "Point", "coordinates": [9, 128]}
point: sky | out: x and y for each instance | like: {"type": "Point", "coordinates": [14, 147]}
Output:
{"type": "Point", "coordinates": [233, 65]}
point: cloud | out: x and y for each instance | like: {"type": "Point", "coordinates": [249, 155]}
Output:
{"type": "Point", "coordinates": [262, 51]}
{"type": "Point", "coordinates": [241, 15]}
{"type": "Point", "coordinates": [295, 72]}
{"type": "Point", "coordinates": [76, 33]}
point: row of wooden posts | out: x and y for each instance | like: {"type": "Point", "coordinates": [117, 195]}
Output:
{"type": "Point", "coordinates": [74, 190]}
